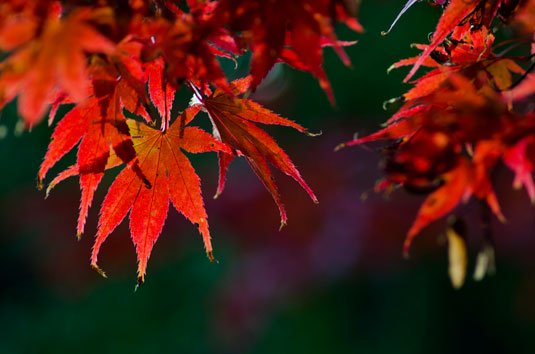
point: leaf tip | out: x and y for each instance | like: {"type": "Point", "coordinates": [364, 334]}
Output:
{"type": "Point", "coordinates": [502, 218]}
{"type": "Point", "coordinates": [49, 189]}
{"type": "Point", "coordinates": [39, 184]}
{"type": "Point", "coordinates": [140, 281]}
{"type": "Point", "coordinates": [98, 270]}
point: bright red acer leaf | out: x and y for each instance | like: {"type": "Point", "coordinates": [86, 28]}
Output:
{"type": "Point", "coordinates": [234, 123]}
{"type": "Point", "coordinates": [172, 178]}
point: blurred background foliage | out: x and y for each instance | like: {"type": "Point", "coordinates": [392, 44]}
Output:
{"type": "Point", "coordinates": [332, 281]}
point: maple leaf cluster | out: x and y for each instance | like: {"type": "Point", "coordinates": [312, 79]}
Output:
{"type": "Point", "coordinates": [119, 64]}
{"type": "Point", "coordinates": [471, 111]}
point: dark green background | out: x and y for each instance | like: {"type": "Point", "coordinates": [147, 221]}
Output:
{"type": "Point", "coordinates": [332, 282]}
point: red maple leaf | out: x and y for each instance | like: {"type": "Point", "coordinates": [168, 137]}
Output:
{"type": "Point", "coordinates": [234, 121]}
{"type": "Point", "coordinates": [171, 177]}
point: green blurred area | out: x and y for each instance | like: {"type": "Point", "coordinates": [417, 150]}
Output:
{"type": "Point", "coordinates": [399, 312]}
{"type": "Point", "coordinates": [52, 302]}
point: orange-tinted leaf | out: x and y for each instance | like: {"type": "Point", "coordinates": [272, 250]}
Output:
{"type": "Point", "coordinates": [172, 178]}
{"type": "Point", "coordinates": [55, 61]}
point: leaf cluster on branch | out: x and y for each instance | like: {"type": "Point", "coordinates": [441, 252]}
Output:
{"type": "Point", "coordinates": [120, 64]}
{"type": "Point", "coordinates": [470, 111]}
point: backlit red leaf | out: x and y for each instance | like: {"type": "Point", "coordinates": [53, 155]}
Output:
{"type": "Point", "coordinates": [234, 120]}
{"type": "Point", "coordinates": [172, 179]}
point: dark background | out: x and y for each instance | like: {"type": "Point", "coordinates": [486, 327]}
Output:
{"type": "Point", "coordinates": [332, 281]}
